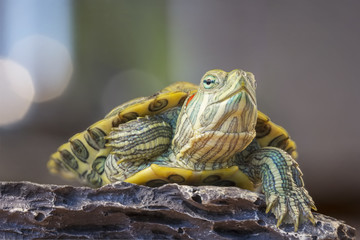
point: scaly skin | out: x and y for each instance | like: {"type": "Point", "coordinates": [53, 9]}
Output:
{"type": "Point", "coordinates": [281, 181]}
{"type": "Point", "coordinates": [213, 126]}
{"type": "Point", "coordinates": [207, 138]}
{"type": "Point", "coordinates": [217, 122]}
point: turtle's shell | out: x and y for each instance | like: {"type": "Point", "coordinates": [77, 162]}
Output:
{"type": "Point", "coordinates": [84, 155]}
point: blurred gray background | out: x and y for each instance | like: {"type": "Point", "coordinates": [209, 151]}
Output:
{"type": "Point", "coordinates": [65, 64]}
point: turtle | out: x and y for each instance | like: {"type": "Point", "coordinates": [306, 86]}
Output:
{"type": "Point", "coordinates": [210, 134]}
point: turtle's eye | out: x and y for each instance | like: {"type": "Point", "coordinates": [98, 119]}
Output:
{"type": "Point", "coordinates": [210, 81]}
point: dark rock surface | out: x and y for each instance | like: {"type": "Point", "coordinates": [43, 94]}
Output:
{"type": "Point", "coordinates": [127, 211]}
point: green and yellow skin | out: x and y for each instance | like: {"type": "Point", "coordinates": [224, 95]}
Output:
{"type": "Point", "coordinates": [211, 134]}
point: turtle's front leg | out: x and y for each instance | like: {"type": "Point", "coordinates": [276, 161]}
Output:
{"type": "Point", "coordinates": [134, 144]}
{"type": "Point", "coordinates": [282, 184]}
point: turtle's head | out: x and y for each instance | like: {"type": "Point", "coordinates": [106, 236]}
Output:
{"type": "Point", "coordinates": [218, 121]}
{"type": "Point", "coordinates": [225, 102]}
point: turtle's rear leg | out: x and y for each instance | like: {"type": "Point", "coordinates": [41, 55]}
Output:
{"type": "Point", "coordinates": [282, 184]}
{"type": "Point", "coordinates": [134, 144]}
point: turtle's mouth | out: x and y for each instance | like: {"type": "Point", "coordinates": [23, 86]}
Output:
{"type": "Point", "coordinates": [241, 90]}
{"type": "Point", "coordinates": [245, 90]}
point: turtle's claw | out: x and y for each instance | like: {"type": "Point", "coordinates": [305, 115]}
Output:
{"type": "Point", "coordinates": [280, 219]}
{"type": "Point", "coordinates": [296, 223]}
{"type": "Point", "coordinates": [270, 202]}
{"type": "Point", "coordinates": [311, 218]}
{"type": "Point", "coordinates": [313, 207]}
{"type": "Point", "coordinates": [291, 206]}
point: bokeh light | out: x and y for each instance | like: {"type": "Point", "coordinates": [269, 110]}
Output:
{"type": "Point", "coordinates": [16, 92]}
{"type": "Point", "coordinates": [48, 62]}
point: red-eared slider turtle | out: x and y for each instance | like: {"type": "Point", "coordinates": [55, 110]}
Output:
{"type": "Point", "coordinates": [210, 134]}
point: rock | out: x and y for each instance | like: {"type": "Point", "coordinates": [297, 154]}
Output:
{"type": "Point", "coordinates": [127, 211]}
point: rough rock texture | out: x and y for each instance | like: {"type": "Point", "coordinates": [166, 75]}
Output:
{"type": "Point", "coordinates": [129, 211]}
